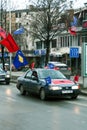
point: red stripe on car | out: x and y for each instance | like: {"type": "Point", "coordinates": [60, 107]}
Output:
{"type": "Point", "coordinates": [62, 81]}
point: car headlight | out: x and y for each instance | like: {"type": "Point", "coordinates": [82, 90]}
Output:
{"type": "Point", "coordinates": [75, 87]}
{"type": "Point", "coordinates": [55, 88]}
{"type": "Point", "coordinates": [7, 76]}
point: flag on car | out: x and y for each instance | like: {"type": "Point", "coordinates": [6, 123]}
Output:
{"type": "Point", "coordinates": [2, 33]}
{"type": "Point", "coordinates": [48, 80]}
{"type": "Point", "coordinates": [19, 60]}
{"type": "Point", "coordinates": [51, 66]}
{"type": "Point", "coordinates": [19, 31]}
{"type": "Point", "coordinates": [10, 43]}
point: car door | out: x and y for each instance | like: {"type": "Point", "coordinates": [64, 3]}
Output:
{"type": "Point", "coordinates": [35, 82]}
{"type": "Point", "coordinates": [27, 81]}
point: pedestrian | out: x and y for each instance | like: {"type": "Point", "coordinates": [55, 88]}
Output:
{"type": "Point", "coordinates": [76, 78]}
{"type": "Point", "coordinates": [32, 65]}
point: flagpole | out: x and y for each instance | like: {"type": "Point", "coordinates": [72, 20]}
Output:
{"type": "Point", "coordinates": [10, 55]}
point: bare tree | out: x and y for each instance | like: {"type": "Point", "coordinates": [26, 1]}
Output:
{"type": "Point", "coordinates": [48, 19]}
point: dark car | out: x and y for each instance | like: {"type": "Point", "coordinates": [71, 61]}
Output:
{"type": "Point", "coordinates": [47, 83]}
{"type": "Point", "coordinates": [4, 76]}
{"type": "Point", "coordinates": [64, 68]}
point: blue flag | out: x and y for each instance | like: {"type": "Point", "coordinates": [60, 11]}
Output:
{"type": "Point", "coordinates": [74, 22]}
{"type": "Point", "coordinates": [19, 60]}
{"type": "Point", "coordinates": [50, 66]}
{"type": "Point", "coordinates": [19, 31]}
{"type": "Point", "coordinates": [48, 80]}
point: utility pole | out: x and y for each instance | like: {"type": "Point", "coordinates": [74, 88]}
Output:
{"type": "Point", "coordinates": [3, 25]}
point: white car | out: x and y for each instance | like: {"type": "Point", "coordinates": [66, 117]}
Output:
{"type": "Point", "coordinates": [4, 76]}
{"type": "Point", "coordinates": [61, 67]}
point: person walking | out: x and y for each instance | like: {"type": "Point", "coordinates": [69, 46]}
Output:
{"type": "Point", "coordinates": [76, 78]}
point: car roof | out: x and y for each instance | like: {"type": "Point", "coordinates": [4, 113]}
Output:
{"type": "Point", "coordinates": [41, 69]}
{"type": "Point", "coordinates": [57, 63]}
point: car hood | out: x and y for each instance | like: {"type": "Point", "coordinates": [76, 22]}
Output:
{"type": "Point", "coordinates": [61, 81]}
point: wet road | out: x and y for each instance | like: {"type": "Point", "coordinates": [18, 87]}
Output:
{"type": "Point", "coordinates": [30, 113]}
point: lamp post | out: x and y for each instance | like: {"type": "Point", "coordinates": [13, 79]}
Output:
{"type": "Point", "coordinates": [3, 24]}
{"type": "Point", "coordinates": [2, 48]}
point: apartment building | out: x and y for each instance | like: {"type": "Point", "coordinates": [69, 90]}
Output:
{"type": "Point", "coordinates": [59, 46]}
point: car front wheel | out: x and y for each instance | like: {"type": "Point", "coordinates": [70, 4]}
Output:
{"type": "Point", "coordinates": [22, 91]}
{"type": "Point", "coordinates": [74, 97]}
{"type": "Point", "coordinates": [42, 94]}
{"type": "Point", "coordinates": [7, 82]}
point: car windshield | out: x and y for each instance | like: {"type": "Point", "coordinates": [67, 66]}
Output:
{"type": "Point", "coordinates": [52, 73]}
{"type": "Point", "coordinates": [1, 70]}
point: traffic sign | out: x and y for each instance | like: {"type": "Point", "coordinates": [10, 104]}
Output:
{"type": "Point", "coordinates": [74, 52]}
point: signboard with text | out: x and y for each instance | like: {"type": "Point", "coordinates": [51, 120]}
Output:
{"type": "Point", "coordinates": [74, 52]}
{"type": "Point", "coordinates": [40, 52]}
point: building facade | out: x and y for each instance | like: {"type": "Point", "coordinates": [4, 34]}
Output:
{"type": "Point", "coordinates": [59, 46]}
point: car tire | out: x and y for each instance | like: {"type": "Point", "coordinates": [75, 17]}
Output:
{"type": "Point", "coordinates": [7, 83]}
{"type": "Point", "coordinates": [22, 91]}
{"type": "Point", "coordinates": [42, 94]}
{"type": "Point", "coordinates": [74, 97]}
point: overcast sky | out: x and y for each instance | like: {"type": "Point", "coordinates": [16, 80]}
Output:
{"type": "Point", "coordinates": [19, 4]}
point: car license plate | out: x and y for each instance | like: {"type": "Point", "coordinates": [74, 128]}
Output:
{"type": "Point", "coordinates": [67, 91]}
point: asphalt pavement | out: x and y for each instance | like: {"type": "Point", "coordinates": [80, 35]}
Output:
{"type": "Point", "coordinates": [16, 74]}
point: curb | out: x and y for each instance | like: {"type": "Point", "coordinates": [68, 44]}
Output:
{"type": "Point", "coordinates": [83, 92]}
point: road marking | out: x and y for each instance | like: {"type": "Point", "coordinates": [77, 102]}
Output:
{"type": "Point", "coordinates": [10, 99]}
{"type": "Point", "coordinates": [83, 97]}
{"type": "Point", "coordinates": [77, 103]}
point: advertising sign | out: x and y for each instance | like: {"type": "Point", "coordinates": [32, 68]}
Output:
{"type": "Point", "coordinates": [74, 52]}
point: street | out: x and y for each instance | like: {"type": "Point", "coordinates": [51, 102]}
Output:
{"type": "Point", "coordinates": [28, 112]}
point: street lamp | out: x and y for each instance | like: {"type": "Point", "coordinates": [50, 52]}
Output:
{"type": "Point", "coordinates": [2, 48]}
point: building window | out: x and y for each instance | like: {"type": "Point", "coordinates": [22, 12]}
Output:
{"type": "Point", "coordinates": [54, 41]}
{"type": "Point", "coordinates": [39, 45]}
{"type": "Point", "coordinates": [27, 13]}
{"type": "Point", "coordinates": [65, 41]}
{"type": "Point", "coordinates": [19, 15]}
{"type": "Point", "coordinates": [45, 45]}
{"type": "Point", "coordinates": [84, 38]}
{"type": "Point", "coordinates": [19, 25]}
{"type": "Point", "coordinates": [16, 15]}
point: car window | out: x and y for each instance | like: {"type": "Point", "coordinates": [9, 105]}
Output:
{"type": "Point", "coordinates": [34, 73]}
{"type": "Point", "coordinates": [52, 73]}
{"type": "Point", "coordinates": [28, 74]}
{"type": "Point", "coordinates": [59, 65]}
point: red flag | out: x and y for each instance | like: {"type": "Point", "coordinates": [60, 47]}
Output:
{"type": "Point", "coordinates": [72, 31]}
{"type": "Point", "coordinates": [2, 33]}
{"type": "Point", "coordinates": [10, 43]}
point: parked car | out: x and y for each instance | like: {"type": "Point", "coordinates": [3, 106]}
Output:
{"type": "Point", "coordinates": [61, 67]}
{"type": "Point", "coordinates": [6, 65]}
{"type": "Point", "coordinates": [47, 83]}
{"type": "Point", "coordinates": [4, 76]}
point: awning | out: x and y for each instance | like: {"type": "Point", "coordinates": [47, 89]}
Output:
{"type": "Point", "coordinates": [56, 54]}
{"type": "Point", "coordinates": [66, 50]}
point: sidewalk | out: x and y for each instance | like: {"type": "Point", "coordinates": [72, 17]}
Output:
{"type": "Point", "coordinates": [15, 75]}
